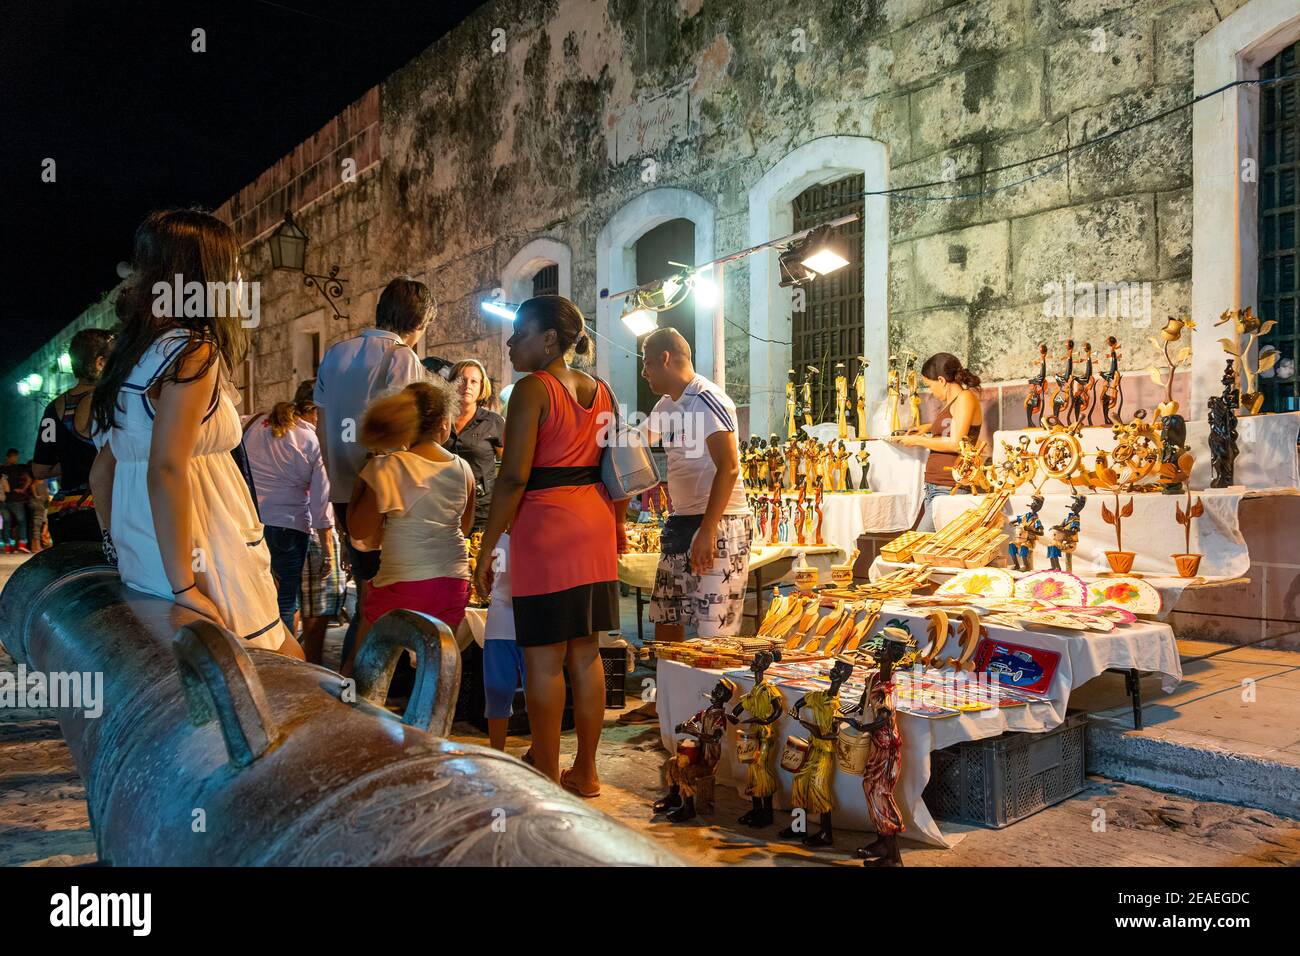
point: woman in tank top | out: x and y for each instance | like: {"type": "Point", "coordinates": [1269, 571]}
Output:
{"type": "Point", "coordinates": [417, 503]}
{"type": "Point", "coordinates": [961, 416]}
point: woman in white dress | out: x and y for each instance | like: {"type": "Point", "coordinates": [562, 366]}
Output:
{"type": "Point", "coordinates": [180, 517]}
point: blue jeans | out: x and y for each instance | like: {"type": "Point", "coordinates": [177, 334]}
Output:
{"type": "Point", "coordinates": [14, 514]}
{"type": "Point", "coordinates": [288, 548]}
{"type": "Point", "coordinates": [933, 491]}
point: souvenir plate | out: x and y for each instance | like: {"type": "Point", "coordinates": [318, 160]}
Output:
{"type": "Point", "coordinates": [987, 582]}
{"type": "Point", "coordinates": [1017, 665]}
{"type": "Point", "coordinates": [1130, 594]}
{"type": "Point", "coordinates": [1054, 587]}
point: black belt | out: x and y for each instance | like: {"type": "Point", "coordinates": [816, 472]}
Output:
{"type": "Point", "coordinates": [542, 478]}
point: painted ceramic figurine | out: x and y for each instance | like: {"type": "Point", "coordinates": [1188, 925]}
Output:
{"type": "Point", "coordinates": [1061, 397]}
{"type": "Point", "coordinates": [1026, 530]}
{"type": "Point", "coordinates": [841, 401]}
{"type": "Point", "coordinates": [813, 787]}
{"type": "Point", "coordinates": [755, 749]}
{"type": "Point", "coordinates": [885, 765]}
{"type": "Point", "coordinates": [860, 396]}
{"type": "Point", "coordinates": [1112, 389]}
{"type": "Point", "coordinates": [686, 769]}
{"type": "Point", "coordinates": [1065, 536]}
{"type": "Point", "coordinates": [1223, 430]}
{"type": "Point", "coordinates": [1036, 397]}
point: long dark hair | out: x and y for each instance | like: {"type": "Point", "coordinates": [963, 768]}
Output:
{"type": "Point", "coordinates": [199, 248]}
{"type": "Point", "coordinates": [946, 366]}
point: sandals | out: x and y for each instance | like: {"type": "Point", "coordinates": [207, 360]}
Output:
{"type": "Point", "coordinates": [565, 782]}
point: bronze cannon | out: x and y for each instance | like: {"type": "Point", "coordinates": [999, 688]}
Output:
{"type": "Point", "coordinates": [208, 753]}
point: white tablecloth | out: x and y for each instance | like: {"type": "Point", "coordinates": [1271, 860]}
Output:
{"type": "Point", "coordinates": [638, 570]}
{"type": "Point", "coordinates": [1150, 531]}
{"type": "Point", "coordinates": [680, 691]}
{"type": "Point", "coordinates": [1267, 444]}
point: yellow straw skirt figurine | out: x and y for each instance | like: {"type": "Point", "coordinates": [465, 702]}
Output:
{"type": "Point", "coordinates": [812, 789]}
{"type": "Point", "coordinates": [755, 746]}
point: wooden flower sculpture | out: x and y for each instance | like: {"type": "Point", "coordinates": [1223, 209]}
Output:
{"type": "Point", "coordinates": [1247, 329]}
{"type": "Point", "coordinates": [1121, 561]}
{"type": "Point", "coordinates": [1188, 562]}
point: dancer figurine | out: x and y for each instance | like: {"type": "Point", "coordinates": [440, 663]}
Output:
{"type": "Point", "coordinates": [1027, 529]}
{"type": "Point", "coordinates": [754, 749]}
{"type": "Point", "coordinates": [812, 788]}
{"type": "Point", "coordinates": [1065, 536]}
{"type": "Point", "coordinates": [682, 772]}
{"type": "Point", "coordinates": [885, 765]}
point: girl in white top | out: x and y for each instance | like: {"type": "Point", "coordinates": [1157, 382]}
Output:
{"type": "Point", "coordinates": [417, 503]}
{"type": "Point", "coordinates": [181, 521]}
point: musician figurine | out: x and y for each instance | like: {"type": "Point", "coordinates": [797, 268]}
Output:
{"type": "Point", "coordinates": [1065, 536]}
{"type": "Point", "coordinates": [893, 396]}
{"type": "Point", "coordinates": [860, 396]}
{"type": "Point", "coordinates": [841, 401]}
{"type": "Point", "coordinates": [790, 406]}
{"type": "Point", "coordinates": [885, 765]}
{"type": "Point", "coordinates": [812, 789]}
{"type": "Point", "coordinates": [1026, 530]}
{"type": "Point", "coordinates": [1036, 397]}
{"type": "Point", "coordinates": [754, 745]}
{"type": "Point", "coordinates": [1112, 389]}
{"type": "Point", "coordinates": [695, 761]}
{"type": "Point", "coordinates": [864, 463]}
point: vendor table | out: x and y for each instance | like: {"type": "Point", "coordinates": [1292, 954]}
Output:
{"type": "Point", "coordinates": [1267, 446]}
{"type": "Point", "coordinates": [1145, 646]}
{"type": "Point", "coordinates": [846, 515]}
{"type": "Point", "coordinates": [1150, 531]}
{"type": "Point", "coordinates": [767, 566]}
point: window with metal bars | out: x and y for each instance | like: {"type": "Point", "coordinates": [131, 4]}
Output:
{"type": "Point", "coordinates": [1279, 219]}
{"type": "Point", "coordinates": [546, 280]}
{"type": "Point", "coordinates": [829, 329]}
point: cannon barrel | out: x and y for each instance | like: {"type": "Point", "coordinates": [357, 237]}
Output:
{"type": "Point", "coordinates": [209, 753]}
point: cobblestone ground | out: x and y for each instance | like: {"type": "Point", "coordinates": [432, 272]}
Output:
{"type": "Point", "coordinates": [43, 813]}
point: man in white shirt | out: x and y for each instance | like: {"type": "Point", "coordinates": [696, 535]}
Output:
{"type": "Point", "coordinates": [352, 374]}
{"type": "Point", "coordinates": [704, 561]}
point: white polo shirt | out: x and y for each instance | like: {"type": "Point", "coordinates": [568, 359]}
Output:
{"type": "Point", "coordinates": [684, 427]}
{"type": "Point", "coordinates": [353, 374]}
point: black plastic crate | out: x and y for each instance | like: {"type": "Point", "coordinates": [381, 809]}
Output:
{"type": "Point", "coordinates": [614, 661]}
{"type": "Point", "coordinates": [1001, 780]}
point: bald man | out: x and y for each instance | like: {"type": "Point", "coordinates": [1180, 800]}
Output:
{"type": "Point", "coordinates": [704, 564]}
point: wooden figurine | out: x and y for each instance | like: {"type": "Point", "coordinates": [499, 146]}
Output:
{"type": "Point", "coordinates": [821, 516]}
{"type": "Point", "coordinates": [793, 460]}
{"type": "Point", "coordinates": [893, 396]}
{"type": "Point", "coordinates": [790, 406]}
{"type": "Point", "coordinates": [810, 371]}
{"type": "Point", "coordinates": [885, 764]}
{"type": "Point", "coordinates": [864, 463]}
{"type": "Point", "coordinates": [1082, 389]}
{"type": "Point", "coordinates": [860, 396]}
{"type": "Point", "coordinates": [1121, 561]}
{"type": "Point", "coordinates": [1112, 389]}
{"type": "Point", "coordinates": [1223, 430]}
{"type": "Point", "coordinates": [1065, 536]}
{"type": "Point", "coordinates": [684, 771]}
{"type": "Point", "coordinates": [1247, 329]}
{"type": "Point", "coordinates": [1188, 563]}
{"type": "Point", "coordinates": [1063, 379]}
{"type": "Point", "coordinates": [841, 459]}
{"type": "Point", "coordinates": [813, 787]}
{"type": "Point", "coordinates": [778, 520]}
{"type": "Point", "coordinates": [841, 401]}
{"type": "Point", "coordinates": [812, 457]}
{"type": "Point", "coordinates": [1026, 530]}
{"type": "Point", "coordinates": [754, 744]}
{"type": "Point", "coordinates": [800, 516]}
{"type": "Point", "coordinates": [1036, 397]}
{"type": "Point", "coordinates": [913, 392]}
{"type": "Point", "coordinates": [1175, 459]}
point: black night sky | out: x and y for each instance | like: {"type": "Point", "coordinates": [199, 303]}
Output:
{"type": "Point", "coordinates": [136, 121]}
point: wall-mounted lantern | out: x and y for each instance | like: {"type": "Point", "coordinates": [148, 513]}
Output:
{"type": "Point", "coordinates": [289, 251]}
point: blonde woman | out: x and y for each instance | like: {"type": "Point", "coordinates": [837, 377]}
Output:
{"type": "Point", "coordinates": [478, 433]}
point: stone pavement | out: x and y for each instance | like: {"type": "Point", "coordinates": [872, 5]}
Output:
{"type": "Point", "coordinates": [43, 814]}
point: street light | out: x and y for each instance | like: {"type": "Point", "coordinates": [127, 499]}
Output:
{"type": "Point", "coordinates": [289, 251]}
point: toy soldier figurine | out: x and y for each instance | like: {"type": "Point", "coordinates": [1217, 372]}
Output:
{"type": "Point", "coordinates": [1112, 391]}
{"type": "Point", "coordinates": [864, 462]}
{"type": "Point", "coordinates": [860, 396]}
{"type": "Point", "coordinates": [790, 405]}
{"type": "Point", "coordinates": [1027, 529]}
{"type": "Point", "coordinates": [686, 769]}
{"type": "Point", "coordinates": [885, 765]}
{"type": "Point", "coordinates": [812, 789]}
{"type": "Point", "coordinates": [1037, 394]}
{"type": "Point", "coordinates": [754, 747]}
{"type": "Point", "coordinates": [1065, 536]}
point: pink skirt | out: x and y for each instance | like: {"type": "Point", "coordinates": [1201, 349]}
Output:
{"type": "Point", "coordinates": [443, 598]}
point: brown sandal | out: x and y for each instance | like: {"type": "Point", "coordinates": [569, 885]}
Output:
{"type": "Point", "coordinates": [573, 788]}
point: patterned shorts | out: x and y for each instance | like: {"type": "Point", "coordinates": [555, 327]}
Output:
{"type": "Point", "coordinates": [713, 602]}
{"type": "Point", "coordinates": [322, 596]}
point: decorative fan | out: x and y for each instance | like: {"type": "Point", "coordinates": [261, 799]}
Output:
{"type": "Point", "coordinates": [987, 582]}
{"type": "Point", "coordinates": [1129, 594]}
{"type": "Point", "coordinates": [1054, 587]}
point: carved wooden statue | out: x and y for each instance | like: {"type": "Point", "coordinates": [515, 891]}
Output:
{"type": "Point", "coordinates": [1036, 397]}
{"type": "Point", "coordinates": [885, 765]}
{"type": "Point", "coordinates": [1064, 380]}
{"type": "Point", "coordinates": [813, 787]}
{"type": "Point", "coordinates": [1112, 389]}
{"type": "Point", "coordinates": [684, 771]}
{"type": "Point", "coordinates": [755, 746]}
{"type": "Point", "coordinates": [1223, 430]}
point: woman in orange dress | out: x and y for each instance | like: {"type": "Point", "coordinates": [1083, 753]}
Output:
{"type": "Point", "coordinates": [564, 539]}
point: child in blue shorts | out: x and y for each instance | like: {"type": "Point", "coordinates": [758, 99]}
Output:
{"type": "Point", "coordinates": [503, 661]}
